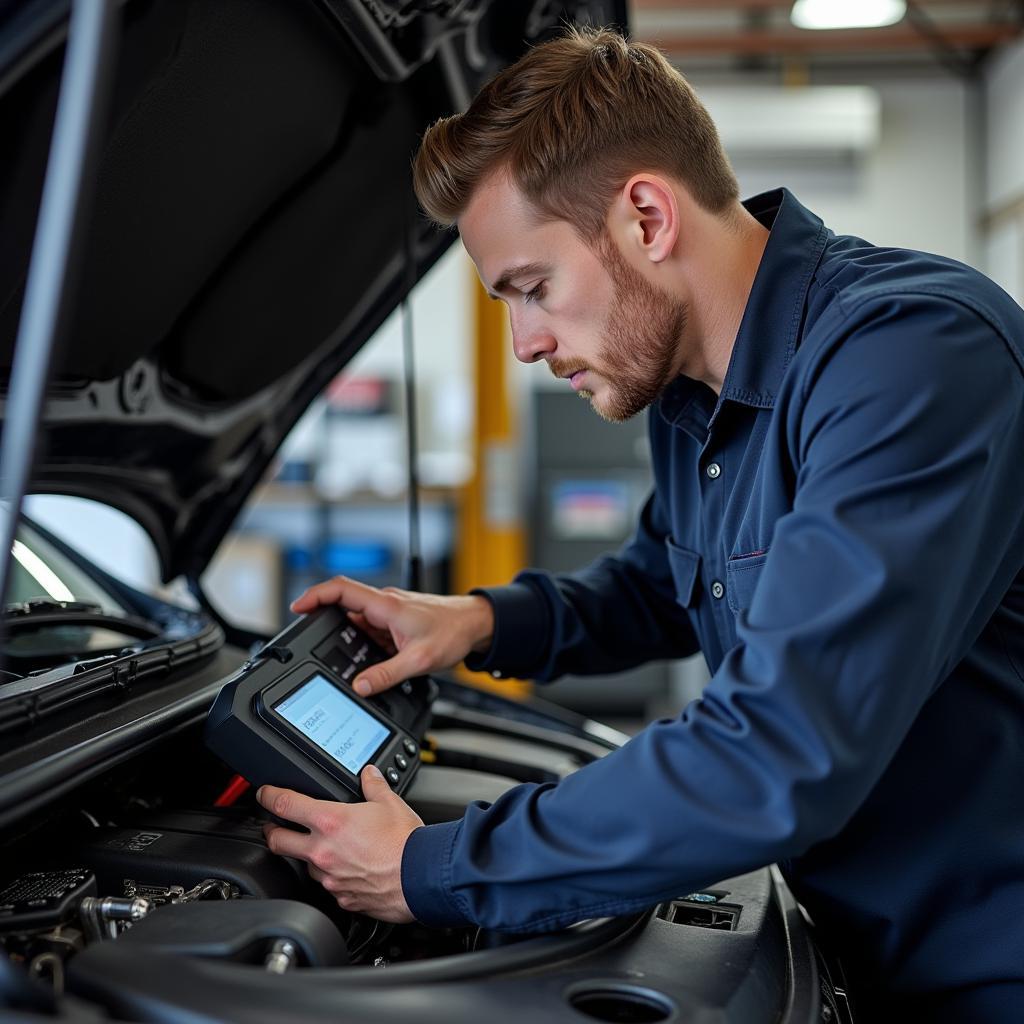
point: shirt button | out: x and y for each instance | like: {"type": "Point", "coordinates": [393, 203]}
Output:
{"type": "Point", "coordinates": [717, 590]}
{"type": "Point", "coordinates": [714, 471]}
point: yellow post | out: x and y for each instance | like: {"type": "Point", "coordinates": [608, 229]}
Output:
{"type": "Point", "coordinates": [491, 543]}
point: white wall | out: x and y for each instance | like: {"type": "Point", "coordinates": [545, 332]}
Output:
{"type": "Point", "coordinates": [914, 189]}
{"type": "Point", "coordinates": [1005, 110]}
{"type": "Point", "coordinates": [1004, 179]}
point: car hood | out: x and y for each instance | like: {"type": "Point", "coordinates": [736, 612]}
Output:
{"type": "Point", "coordinates": [251, 226]}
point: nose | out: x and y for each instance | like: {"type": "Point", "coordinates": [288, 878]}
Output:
{"type": "Point", "coordinates": [530, 340]}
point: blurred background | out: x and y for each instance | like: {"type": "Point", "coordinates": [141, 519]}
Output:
{"type": "Point", "coordinates": [902, 123]}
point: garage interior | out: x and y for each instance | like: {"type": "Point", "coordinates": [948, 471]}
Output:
{"type": "Point", "coordinates": [781, 850]}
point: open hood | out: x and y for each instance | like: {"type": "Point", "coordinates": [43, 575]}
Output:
{"type": "Point", "coordinates": [251, 226]}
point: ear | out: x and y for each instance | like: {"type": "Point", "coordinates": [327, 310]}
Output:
{"type": "Point", "coordinates": [645, 217]}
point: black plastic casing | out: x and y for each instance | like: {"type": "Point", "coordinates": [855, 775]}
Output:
{"type": "Point", "coordinates": [243, 730]}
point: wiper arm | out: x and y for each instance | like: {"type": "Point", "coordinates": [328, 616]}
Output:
{"type": "Point", "coordinates": [47, 606]}
{"type": "Point", "coordinates": [41, 612]}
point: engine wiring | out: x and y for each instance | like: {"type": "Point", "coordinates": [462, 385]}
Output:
{"type": "Point", "coordinates": [234, 789]}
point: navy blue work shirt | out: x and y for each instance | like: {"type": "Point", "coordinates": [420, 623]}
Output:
{"type": "Point", "coordinates": [841, 533]}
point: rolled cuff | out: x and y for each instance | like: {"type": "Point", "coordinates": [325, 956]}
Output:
{"type": "Point", "coordinates": [426, 876]}
{"type": "Point", "coordinates": [521, 632]}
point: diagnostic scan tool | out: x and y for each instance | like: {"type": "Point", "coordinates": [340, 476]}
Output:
{"type": "Point", "coordinates": [290, 717]}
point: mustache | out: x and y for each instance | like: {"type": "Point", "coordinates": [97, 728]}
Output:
{"type": "Point", "coordinates": [566, 367]}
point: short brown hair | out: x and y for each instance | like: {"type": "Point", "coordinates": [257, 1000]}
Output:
{"type": "Point", "coordinates": [570, 122]}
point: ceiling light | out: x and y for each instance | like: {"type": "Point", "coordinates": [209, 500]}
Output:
{"type": "Point", "coordinates": [847, 13]}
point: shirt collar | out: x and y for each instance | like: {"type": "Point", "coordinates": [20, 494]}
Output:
{"type": "Point", "coordinates": [771, 322]}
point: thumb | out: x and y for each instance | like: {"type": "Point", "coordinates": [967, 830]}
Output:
{"type": "Point", "coordinates": [375, 786]}
{"type": "Point", "coordinates": [386, 674]}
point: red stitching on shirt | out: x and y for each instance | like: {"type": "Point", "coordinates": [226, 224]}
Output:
{"type": "Point", "coordinates": [752, 554]}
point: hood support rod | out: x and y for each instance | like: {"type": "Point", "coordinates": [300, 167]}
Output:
{"type": "Point", "coordinates": [56, 249]}
{"type": "Point", "coordinates": [414, 573]}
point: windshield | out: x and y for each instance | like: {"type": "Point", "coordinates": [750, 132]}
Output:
{"type": "Point", "coordinates": [40, 571]}
{"type": "Point", "coordinates": [56, 611]}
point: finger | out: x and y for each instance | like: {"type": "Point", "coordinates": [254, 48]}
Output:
{"type": "Point", "coordinates": [328, 592]}
{"type": "Point", "coordinates": [381, 637]}
{"type": "Point", "coordinates": [326, 880]}
{"type": "Point", "coordinates": [288, 843]}
{"type": "Point", "coordinates": [375, 786]}
{"type": "Point", "coordinates": [291, 806]}
{"type": "Point", "coordinates": [385, 674]}
{"type": "Point", "coordinates": [339, 590]}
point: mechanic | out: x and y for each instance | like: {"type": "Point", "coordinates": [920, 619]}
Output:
{"type": "Point", "coordinates": [837, 434]}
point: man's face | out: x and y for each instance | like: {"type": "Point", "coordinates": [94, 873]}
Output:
{"type": "Point", "coordinates": [594, 318]}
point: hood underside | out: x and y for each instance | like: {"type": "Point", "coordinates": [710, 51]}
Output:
{"type": "Point", "coordinates": [251, 221]}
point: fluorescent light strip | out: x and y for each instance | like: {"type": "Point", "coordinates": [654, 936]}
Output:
{"type": "Point", "coordinates": [41, 572]}
{"type": "Point", "coordinates": [829, 14]}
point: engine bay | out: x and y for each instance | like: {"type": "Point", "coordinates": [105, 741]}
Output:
{"type": "Point", "coordinates": [146, 892]}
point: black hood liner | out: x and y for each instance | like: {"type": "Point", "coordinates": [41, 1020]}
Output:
{"type": "Point", "coordinates": [248, 234]}
{"type": "Point", "coordinates": [226, 115]}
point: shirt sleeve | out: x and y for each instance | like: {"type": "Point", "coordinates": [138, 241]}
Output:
{"type": "Point", "coordinates": [617, 613]}
{"type": "Point", "coordinates": [906, 431]}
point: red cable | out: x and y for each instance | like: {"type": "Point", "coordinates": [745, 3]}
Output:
{"type": "Point", "coordinates": [235, 788]}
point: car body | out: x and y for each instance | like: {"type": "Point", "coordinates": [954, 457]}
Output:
{"type": "Point", "coordinates": [251, 223]}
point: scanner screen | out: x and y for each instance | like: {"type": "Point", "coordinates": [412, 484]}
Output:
{"type": "Point", "coordinates": [334, 722]}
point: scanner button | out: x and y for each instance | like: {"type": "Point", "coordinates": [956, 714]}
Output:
{"type": "Point", "coordinates": [401, 762]}
{"type": "Point", "coordinates": [393, 776]}
{"type": "Point", "coordinates": [351, 641]}
{"type": "Point", "coordinates": [410, 747]}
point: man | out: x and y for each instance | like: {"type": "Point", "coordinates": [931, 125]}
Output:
{"type": "Point", "coordinates": [837, 434]}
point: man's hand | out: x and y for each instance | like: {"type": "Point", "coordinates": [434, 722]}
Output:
{"type": "Point", "coordinates": [353, 850]}
{"type": "Point", "coordinates": [422, 632]}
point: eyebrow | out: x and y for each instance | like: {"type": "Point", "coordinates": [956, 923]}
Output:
{"type": "Point", "coordinates": [519, 270]}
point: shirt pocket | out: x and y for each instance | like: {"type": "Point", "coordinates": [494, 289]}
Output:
{"type": "Point", "coordinates": [741, 578]}
{"type": "Point", "coordinates": [685, 566]}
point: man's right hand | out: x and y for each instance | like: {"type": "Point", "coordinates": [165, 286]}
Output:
{"type": "Point", "coordinates": [422, 632]}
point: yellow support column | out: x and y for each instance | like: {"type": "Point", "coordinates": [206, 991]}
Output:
{"type": "Point", "coordinates": [491, 543]}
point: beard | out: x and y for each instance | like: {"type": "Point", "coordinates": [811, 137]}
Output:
{"type": "Point", "coordinates": [640, 344]}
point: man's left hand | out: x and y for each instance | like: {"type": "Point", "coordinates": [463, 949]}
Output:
{"type": "Point", "coordinates": [353, 850]}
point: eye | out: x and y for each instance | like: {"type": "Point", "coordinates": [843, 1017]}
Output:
{"type": "Point", "coordinates": [535, 293]}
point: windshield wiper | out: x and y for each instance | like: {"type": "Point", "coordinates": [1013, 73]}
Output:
{"type": "Point", "coordinates": [41, 611]}
{"type": "Point", "coordinates": [26, 701]}
{"type": "Point", "coordinates": [47, 606]}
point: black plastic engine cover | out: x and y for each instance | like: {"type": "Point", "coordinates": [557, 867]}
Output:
{"type": "Point", "coordinates": [240, 930]}
{"type": "Point", "coordinates": [158, 857]}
